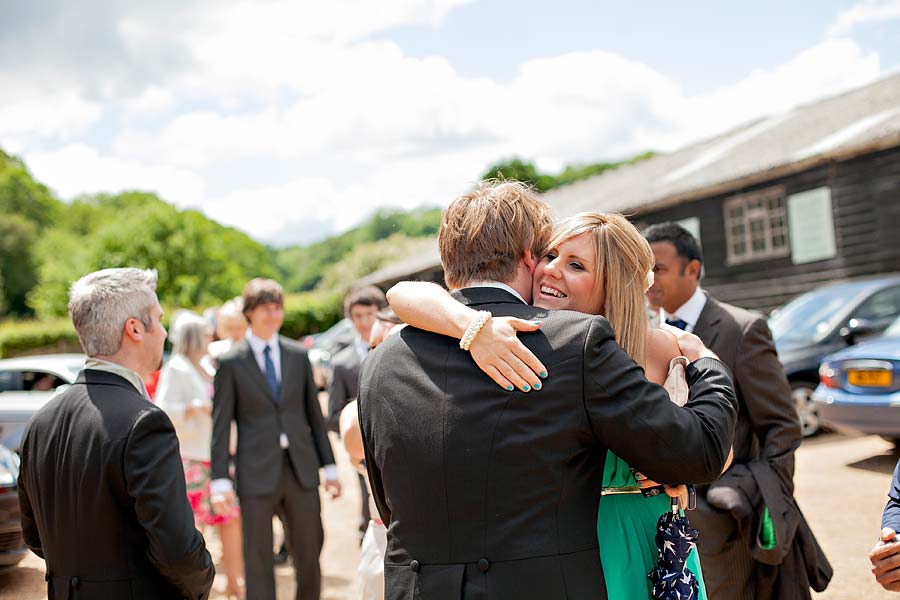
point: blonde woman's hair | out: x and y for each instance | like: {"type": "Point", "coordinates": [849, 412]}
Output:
{"type": "Point", "coordinates": [624, 258]}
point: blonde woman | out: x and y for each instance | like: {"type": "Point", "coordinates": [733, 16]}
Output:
{"type": "Point", "coordinates": [598, 264]}
{"type": "Point", "coordinates": [185, 393]}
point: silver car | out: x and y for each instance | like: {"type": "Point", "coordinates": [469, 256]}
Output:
{"type": "Point", "coordinates": [26, 384]}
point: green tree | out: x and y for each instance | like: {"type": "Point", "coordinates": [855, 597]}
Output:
{"type": "Point", "coordinates": [519, 170]}
{"type": "Point", "coordinates": [18, 272]}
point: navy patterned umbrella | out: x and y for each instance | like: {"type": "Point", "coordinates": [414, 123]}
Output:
{"type": "Point", "coordinates": [675, 538]}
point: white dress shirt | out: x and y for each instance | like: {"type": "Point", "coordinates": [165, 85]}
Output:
{"type": "Point", "coordinates": [689, 312]}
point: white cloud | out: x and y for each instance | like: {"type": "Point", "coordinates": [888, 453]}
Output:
{"type": "Point", "coordinates": [41, 110]}
{"type": "Point", "coordinates": [866, 12]}
{"type": "Point", "coordinates": [77, 169]}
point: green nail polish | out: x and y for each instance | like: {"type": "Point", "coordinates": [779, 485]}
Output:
{"type": "Point", "coordinates": [509, 388]}
{"type": "Point", "coordinates": [525, 388]}
{"type": "Point", "coordinates": [536, 322]}
{"type": "Point", "coordinates": [537, 386]}
{"type": "Point", "coordinates": [543, 373]}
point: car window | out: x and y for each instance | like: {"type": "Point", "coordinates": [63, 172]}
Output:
{"type": "Point", "coordinates": [809, 318]}
{"type": "Point", "coordinates": [894, 329]}
{"type": "Point", "coordinates": [29, 381]}
{"type": "Point", "coordinates": [881, 307]}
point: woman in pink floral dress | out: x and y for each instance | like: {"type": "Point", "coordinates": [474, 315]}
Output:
{"type": "Point", "coordinates": [185, 393]}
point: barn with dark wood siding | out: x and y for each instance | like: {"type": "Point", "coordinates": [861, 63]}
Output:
{"type": "Point", "coordinates": [781, 205]}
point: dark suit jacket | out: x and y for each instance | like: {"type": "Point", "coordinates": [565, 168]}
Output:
{"type": "Point", "coordinates": [891, 516]}
{"type": "Point", "coordinates": [344, 384]}
{"type": "Point", "coordinates": [492, 494]}
{"type": "Point", "coordinates": [243, 395]}
{"type": "Point", "coordinates": [103, 497]}
{"type": "Point", "coordinates": [766, 435]}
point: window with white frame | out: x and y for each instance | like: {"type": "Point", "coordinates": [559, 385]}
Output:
{"type": "Point", "coordinates": [756, 226]}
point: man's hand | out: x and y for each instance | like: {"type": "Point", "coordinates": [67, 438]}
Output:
{"type": "Point", "coordinates": [222, 502]}
{"type": "Point", "coordinates": [333, 487]}
{"type": "Point", "coordinates": [885, 558]}
{"type": "Point", "coordinates": [498, 352]}
{"type": "Point", "coordinates": [690, 344]}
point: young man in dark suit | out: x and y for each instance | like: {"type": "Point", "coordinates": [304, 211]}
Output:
{"type": "Point", "coordinates": [101, 485]}
{"type": "Point", "coordinates": [360, 306]}
{"type": "Point", "coordinates": [493, 494]}
{"type": "Point", "coordinates": [766, 434]}
{"type": "Point", "coordinates": [265, 385]}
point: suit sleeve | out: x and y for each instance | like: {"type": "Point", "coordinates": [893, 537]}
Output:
{"type": "Point", "coordinates": [338, 397]}
{"type": "Point", "coordinates": [155, 481]}
{"type": "Point", "coordinates": [29, 526]}
{"type": "Point", "coordinates": [223, 414]}
{"type": "Point", "coordinates": [636, 419]}
{"type": "Point", "coordinates": [314, 415]}
{"type": "Point", "coordinates": [767, 398]}
{"type": "Point", "coordinates": [376, 483]}
{"type": "Point", "coordinates": [891, 516]}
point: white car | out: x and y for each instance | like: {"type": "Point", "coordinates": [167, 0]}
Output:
{"type": "Point", "coordinates": [26, 384]}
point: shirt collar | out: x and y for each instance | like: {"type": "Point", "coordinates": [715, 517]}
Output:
{"type": "Point", "coordinates": [689, 312]}
{"type": "Point", "coordinates": [130, 376]}
{"type": "Point", "coordinates": [258, 344]}
{"type": "Point", "coordinates": [499, 285]}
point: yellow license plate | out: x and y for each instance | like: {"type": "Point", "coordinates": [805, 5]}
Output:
{"type": "Point", "coordinates": [869, 378]}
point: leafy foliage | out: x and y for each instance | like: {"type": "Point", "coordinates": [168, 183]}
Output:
{"type": "Point", "coordinates": [520, 170]}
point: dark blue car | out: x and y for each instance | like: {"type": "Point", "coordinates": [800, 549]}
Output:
{"type": "Point", "coordinates": [860, 387]}
{"type": "Point", "coordinates": [824, 321]}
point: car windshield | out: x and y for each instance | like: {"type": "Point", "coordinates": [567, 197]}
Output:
{"type": "Point", "coordinates": [811, 316]}
{"type": "Point", "coordinates": [894, 329]}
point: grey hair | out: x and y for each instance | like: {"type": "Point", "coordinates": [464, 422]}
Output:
{"type": "Point", "coordinates": [188, 331]}
{"type": "Point", "coordinates": [101, 302]}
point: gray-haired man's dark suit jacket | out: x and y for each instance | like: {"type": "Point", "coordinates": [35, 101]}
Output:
{"type": "Point", "coordinates": [491, 495]}
{"type": "Point", "coordinates": [103, 497]}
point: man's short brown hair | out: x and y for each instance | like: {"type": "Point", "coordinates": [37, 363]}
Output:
{"type": "Point", "coordinates": [365, 296]}
{"type": "Point", "coordinates": [485, 232]}
{"type": "Point", "coordinates": [261, 291]}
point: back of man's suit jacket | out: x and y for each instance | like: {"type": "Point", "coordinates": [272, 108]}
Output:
{"type": "Point", "coordinates": [243, 395]}
{"type": "Point", "coordinates": [494, 494]}
{"type": "Point", "coordinates": [103, 497]}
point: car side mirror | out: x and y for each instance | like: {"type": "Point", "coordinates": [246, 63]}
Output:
{"type": "Point", "coordinates": [857, 328]}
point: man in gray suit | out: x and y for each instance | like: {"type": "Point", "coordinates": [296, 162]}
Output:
{"type": "Point", "coordinates": [360, 306]}
{"type": "Point", "coordinates": [766, 435]}
{"type": "Point", "coordinates": [265, 385]}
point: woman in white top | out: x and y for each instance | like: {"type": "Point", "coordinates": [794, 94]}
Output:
{"type": "Point", "coordinates": [185, 393]}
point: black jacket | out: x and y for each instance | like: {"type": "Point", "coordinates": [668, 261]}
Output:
{"type": "Point", "coordinates": [243, 395]}
{"type": "Point", "coordinates": [103, 497]}
{"type": "Point", "coordinates": [492, 494]}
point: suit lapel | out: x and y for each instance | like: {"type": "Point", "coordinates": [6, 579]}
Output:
{"type": "Point", "coordinates": [250, 364]}
{"type": "Point", "coordinates": [707, 325]}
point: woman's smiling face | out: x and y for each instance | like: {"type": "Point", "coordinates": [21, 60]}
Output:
{"type": "Point", "coordinates": [566, 278]}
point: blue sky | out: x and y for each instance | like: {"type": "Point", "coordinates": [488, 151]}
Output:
{"type": "Point", "coordinates": [295, 120]}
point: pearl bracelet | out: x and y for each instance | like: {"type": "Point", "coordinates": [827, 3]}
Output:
{"type": "Point", "coordinates": [474, 327]}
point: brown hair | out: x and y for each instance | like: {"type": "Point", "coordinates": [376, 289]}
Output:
{"type": "Point", "coordinates": [261, 291]}
{"type": "Point", "coordinates": [365, 296]}
{"type": "Point", "coordinates": [624, 258]}
{"type": "Point", "coordinates": [485, 232]}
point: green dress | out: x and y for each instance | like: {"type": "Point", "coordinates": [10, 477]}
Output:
{"type": "Point", "coordinates": [626, 530]}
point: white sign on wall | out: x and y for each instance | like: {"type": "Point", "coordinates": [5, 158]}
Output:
{"type": "Point", "coordinates": [811, 226]}
{"type": "Point", "coordinates": [692, 224]}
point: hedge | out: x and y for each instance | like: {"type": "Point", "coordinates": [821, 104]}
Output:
{"type": "Point", "coordinates": [304, 313]}
{"type": "Point", "coordinates": [37, 337]}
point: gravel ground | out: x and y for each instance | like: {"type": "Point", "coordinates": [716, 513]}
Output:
{"type": "Point", "coordinates": [840, 485]}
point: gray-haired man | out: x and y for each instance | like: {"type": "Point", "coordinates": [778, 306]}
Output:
{"type": "Point", "coordinates": [101, 485]}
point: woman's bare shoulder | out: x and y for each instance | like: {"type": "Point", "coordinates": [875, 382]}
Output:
{"type": "Point", "coordinates": [662, 347]}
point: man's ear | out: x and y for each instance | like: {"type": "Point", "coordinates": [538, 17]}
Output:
{"type": "Point", "coordinates": [134, 330]}
{"type": "Point", "coordinates": [528, 259]}
{"type": "Point", "coordinates": [693, 268]}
